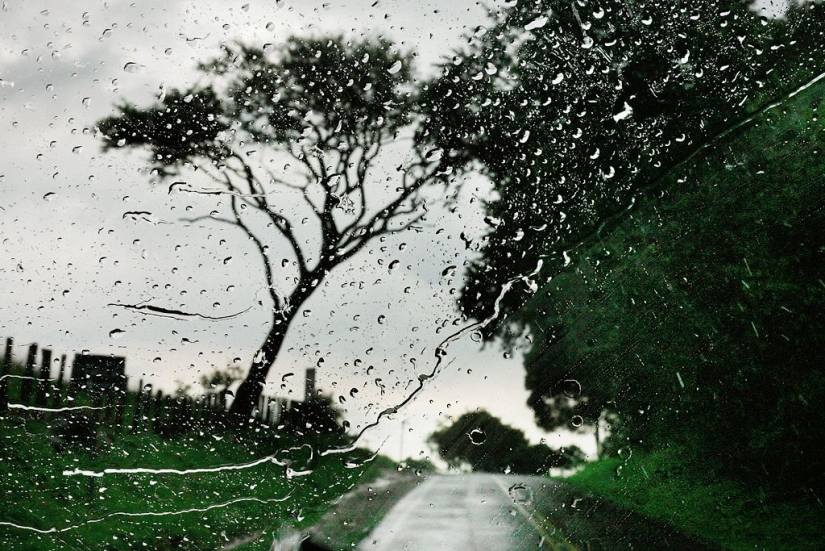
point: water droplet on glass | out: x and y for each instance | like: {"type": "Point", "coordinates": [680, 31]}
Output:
{"type": "Point", "coordinates": [433, 155]}
{"type": "Point", "coordinates": [448, 271]}
{"type": "Point", "coordinates": [625, 454]}
{"type": "Point", "coordinates": [477, 437]}
{"type": "Point", "coordinates": [536, 23]}
{"type": "Point", "coordinates": [394, 68]}
{"type": "Point", "coordinates": [132, 67]}
{"type": "Point", "coordinates": [116, 333]}
{"type": "Point", "coordinates": [571, 388]}
{"type": "Point", "coordinates": [577, 421]}
{"type": "Point", "coordinates": [520, 494]}
{"type": "Point", "coordinates": [49, 196]}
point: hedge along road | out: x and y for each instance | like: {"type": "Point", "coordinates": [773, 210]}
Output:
{"type": "Point", "coordinates": [490, 512]}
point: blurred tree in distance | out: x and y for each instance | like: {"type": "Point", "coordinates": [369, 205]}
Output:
{"type": "Point", "coordinates": [486, 444]}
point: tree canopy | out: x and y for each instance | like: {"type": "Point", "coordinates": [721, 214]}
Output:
{"type": "Point", "coordinates": [691, 319]}
{"type": "Point", "coordinates": [572, 107]}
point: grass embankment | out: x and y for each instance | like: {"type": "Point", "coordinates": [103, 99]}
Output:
{"type": "Point", "coordinates": [157, 510]}
{"type": "Point", "coordinates": [666, 486]}
{"type": "Point", "coordinates": [46, 508]}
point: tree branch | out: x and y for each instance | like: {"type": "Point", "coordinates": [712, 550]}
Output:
{"type": "Point", "coordinates": [359, 234]}
{"type": "Point", "coordinates": [238, 222]}
{"type": "Point", "coordinates": [280, 221]}
{"type": "Point", "coordinates": [270, 279]}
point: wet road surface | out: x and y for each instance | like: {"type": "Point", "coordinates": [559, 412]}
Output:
{"type": "Point", "coordinates": [492, 512]}
{"type": "Point", "coordinates": [468, 512]}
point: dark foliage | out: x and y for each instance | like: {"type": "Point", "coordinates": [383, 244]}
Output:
{"type": "Point", "coordinates": [486, 444]}
{"type": "Point", "coordinates": [75, 432]}
{"type": "Point", "coordinates": [698, 321]}
{"type": "Point", "coordinates": [318, 416]}
{"type": "Point", "coordinates": [593, 104]}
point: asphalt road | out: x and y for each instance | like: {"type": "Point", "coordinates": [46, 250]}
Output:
{"type": "Point", "coordinates": [490, 512]}
{"type": "Point", "coordinates": [477, 512]}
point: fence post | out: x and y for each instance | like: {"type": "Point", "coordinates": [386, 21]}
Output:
{"type": "Point", "coordinates": [62, 372]}
{"type": "Point", "coordinates": [45, 374]}
{"type": "Point", "coordinates": [120, 409]}
{"type": "Point", "coordinates": [205, 418]}
{"type": "Point", "coordinates": [137, 416]}
{"type": "Point", "coordinates": [158, 412]}
{"type": "Point", "coordinates": [4, 381]}
{"type": "Point", "coordinates": [57, 399]}
{"type": "Point", "coordinates": [190, 413]}
{"type": "Point", "coordinates": [28, 383]}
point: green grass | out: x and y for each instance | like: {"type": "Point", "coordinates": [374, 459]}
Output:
{"type": "Point", "coordinates": [47, 509]}
{"type": "Point", "coordinates": [668, 487]}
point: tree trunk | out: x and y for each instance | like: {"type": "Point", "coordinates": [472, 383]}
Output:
{"type": "Point", "coordinates": [250, 390]}
{"type": "Point", "coordinates": [247, 395]}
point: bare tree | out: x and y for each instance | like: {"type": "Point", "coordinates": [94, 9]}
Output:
{"type": "Point", "coordinates": [327, 106]}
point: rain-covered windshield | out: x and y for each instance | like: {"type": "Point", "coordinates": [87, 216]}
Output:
{"type": "Point", "coordinates": [392, 275]}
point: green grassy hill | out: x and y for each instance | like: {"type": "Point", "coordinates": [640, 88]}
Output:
{"type": "Point", "coordinates": [203, 487]}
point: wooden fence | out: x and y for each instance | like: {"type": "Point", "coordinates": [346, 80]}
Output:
{"type": "Point", "coordinates": [35, 390]}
